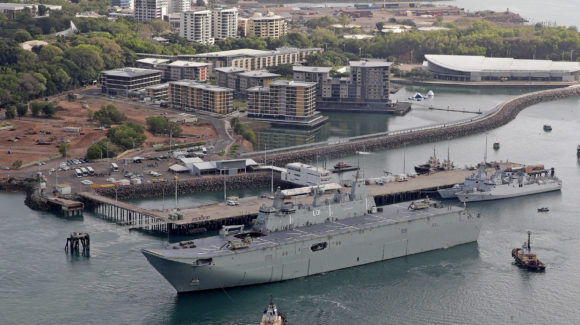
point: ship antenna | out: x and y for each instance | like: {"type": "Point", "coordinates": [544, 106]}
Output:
{"type": "Point", "coordinates": [485, 153]}
{"type": "Point", "coordinates": [529, 235]}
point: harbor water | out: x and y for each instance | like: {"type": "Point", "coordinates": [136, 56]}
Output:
{"type": "Point", "coordinates": [471, 284]}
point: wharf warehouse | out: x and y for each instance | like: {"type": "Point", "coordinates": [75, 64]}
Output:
{"type": "Point", "coordinates": [480, 68]}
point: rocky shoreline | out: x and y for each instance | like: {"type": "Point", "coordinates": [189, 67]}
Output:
{"type": "Point", "coordinates": [27, 185]}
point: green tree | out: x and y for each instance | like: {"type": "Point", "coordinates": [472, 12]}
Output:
{"type": "Point", "coordinates": [380, 26]}
{"type": "Point", "coordinates": [22, 35]}
{"type": "Point", "coordinates": [21, 109]}
{"type": "Point", "coordinates": [127, 136]}
{"type": "Point", "coordinates": [102, 149]}
{"type": "Point", "coordinates": [63, 148]}
{"type": "Point", "coordinates": [285, 70]}
{"type": "Point", "coordinates": [10, 112]}
{"type": "Point", "coordinates": [42, 10]}
{"type": "Point", "coordinates": [36, 107]}
{"type": "Point", "coordinates": [49, 109]}
{"type": "Point", "coordinates": [50, 53]}
{"type": "Point", "coordinates": [160, 125]}
{"type": "Point", "coordinates": [109, 115]}
{"type": "Point", "coordinates": [94, 152]}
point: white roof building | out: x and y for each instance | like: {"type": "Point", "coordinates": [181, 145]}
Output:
{"type": "Point", "coordinates": [478, 68]}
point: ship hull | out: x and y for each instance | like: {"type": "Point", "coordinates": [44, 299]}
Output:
{"type": "Point", "coordinates": [448, 193]}
{"type": "Point", "coordinates": [299, 259]}
{"type": "Point", "coordinates": [422, 169]}
{"type": "Point", "coordinates": [508, 191]}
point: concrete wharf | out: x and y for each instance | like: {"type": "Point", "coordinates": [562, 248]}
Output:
{"type": "Point", "coordinates": [68, 207]}
{"type": "Point", "coordinates": [213, 216]}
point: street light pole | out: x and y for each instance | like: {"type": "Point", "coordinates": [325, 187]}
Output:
{"type": "Point", "coordinates": [176, 192]}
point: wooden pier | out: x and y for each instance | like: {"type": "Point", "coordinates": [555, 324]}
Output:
{"type": "Point", "coordinates": [126, 214]}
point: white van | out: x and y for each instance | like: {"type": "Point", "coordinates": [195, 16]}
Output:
{"type": "Point", "coordinates": [91, 170]}
{"type": "Point", "coordinates": [78, 172]}
{"type": "Point", "coordinates": [84, 171]}
{"type": "Point", "coordinates": [114, 167]}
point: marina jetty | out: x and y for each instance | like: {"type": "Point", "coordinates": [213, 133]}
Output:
{"type": "Point", "coordinates": [500, 115]}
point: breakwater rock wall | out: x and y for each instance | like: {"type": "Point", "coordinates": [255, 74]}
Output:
{"type": "Point", "coordinates": [504, 113]}
{"type": "Point", "coordinates": [27, 185]}
{"type": "Point", "coordinates": [194, 185]}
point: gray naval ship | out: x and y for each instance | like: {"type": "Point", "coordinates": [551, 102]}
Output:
{"type": "Point", "coordinates": [289, 241]}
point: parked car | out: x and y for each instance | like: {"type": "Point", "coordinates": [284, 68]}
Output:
{"type": "Point", "coordinates": [111, 180]}
{"type": "Point", "coordinates": [87, 182]}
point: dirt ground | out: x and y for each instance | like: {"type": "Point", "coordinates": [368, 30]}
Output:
{"type": "Point", "coordinates": [72, 114]}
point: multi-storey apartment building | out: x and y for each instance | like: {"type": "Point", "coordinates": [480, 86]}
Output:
{"type": "Point", "coordinates": [127, 4]}
{"type": "Point", "coordinates": [157, 92]}
{"type": "Point", "coordinates": [205, 26]}
{"type": "Point", "coordinates": [270, 25]}
{"type": "Point", "coordinates": [178, 6]}
{"type": "Point", "coordinates": [368, 82]}
{"type": "Point", "coordinates": [312, 74]}
{"type": "Point", "coordinates": [284, 99]}
{"type": "Point", "coordinates": [370, 78]}
{"type": "Point", "coordinates": [225, 23]}
{"type": "Point", "coordinates": [250, 59]}
{"type": "Point", "coordinates": [195, 26]}
{"type": "Point", "coordinates": [228, 77]}
{"type": "Point", "coordinates": [150, 9]}
{"type": "Point", "coordinates": [151, 63]}
{"type": "Point", "coordinates": [125, 80]}
{"type": "Point", "coordinates": [179, 70]}
{"type": "Point", "coordinates": [240, 80]}
{"type": "Point", "coordinates": [190, 95]}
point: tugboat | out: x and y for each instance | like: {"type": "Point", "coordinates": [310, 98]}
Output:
{"type": "Point", "coordinates": [271, 316]}
{"type": "Point", "coordinates": [341, 166]}
{"type": "Point", "coordinates": [431, 165]}
{"type": "Point", "coordinates": [525, 258]}
{"type": "Point", "coordinates": [543, 209]}
{"type": "Point", "coordinates": [547, 127]}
